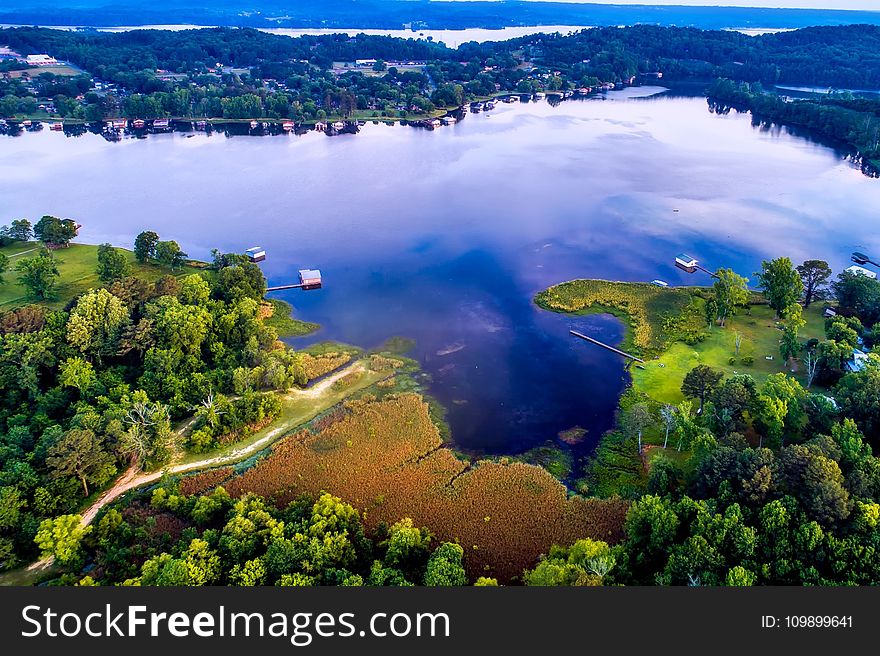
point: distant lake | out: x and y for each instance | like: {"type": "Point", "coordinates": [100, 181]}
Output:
{"type": "Point", "coordinates": [452, 38]}
{"type": "Point", "coordinates": [444, 236]}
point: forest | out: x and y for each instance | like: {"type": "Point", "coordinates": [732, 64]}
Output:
{"type": "Point", "coordinates": [839, 117]}
{"type": "Point", "coordinates": [246, 73]}
{"type": "Point", "coordinates": [100, 384]}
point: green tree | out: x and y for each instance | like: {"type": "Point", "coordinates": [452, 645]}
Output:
{"type": "Point", "coordinates": [730, 290]}
{"type": "Point", "coordinates": [149, 438]}
{"type": "Point", "coordinates": [96, 323]}
{"type": "Point", "coordinates": [39, 275]}
{"type": "Point", "coordinates": [168, 253]}
{"type": "Point", "coordinates": [4, 265]}
{"type": "Point", "coordinates": [145, 246]}
{"type": "Point", "coordinates": [77, 373]}
{"type": "Point", "coordinates": [814, 276]}
{"type": "Point", "coordinates": [21, 230]}
{"type": "Point", "coordinates": [407, 546]}
{"type": "Point", "coordinates": [781, 283]}
{"type": "Point", "coordinates": [793, 321]}
{"type": "Point", "coordinates": [859, 397]}
{"type": "Point", "coordinates": [699, 382]}
{"type": "Point", "coordinates": [858, 292]}
{"type": "Point", "coordinates": [445, 566]}
{"type": "Point", "coordinates": [54, 231]}
{"type": "Point", "coordinates": [112, 264]}
{"type": "Point", "coordinates": [81, 454]}
{"type": "Point", "coordinates": [635, 420]}
{"type": "Point", "coordinates": [62, 537]}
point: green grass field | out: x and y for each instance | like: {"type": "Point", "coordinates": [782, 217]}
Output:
{"type": "Point", "coordinates": [661, 378]}
{"type": "Point", "coordinates": [76, 264]}
{"type": "Point", "coordinates": [655, 316]}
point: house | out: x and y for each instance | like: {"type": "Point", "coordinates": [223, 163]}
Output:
{"type": "Point", "coordinates": [364, 63]}
{"type": "Point", "coordinates": [310, 278]}
{"type": "Point", "coordinates": [686, 262]}
{"type": "Point", "coordinates": [41, 60]}
{"type": "Point", "coordinates": [861, 271]}
{"type": "Point", "coordinates": [859, 361]}
{"type": "Point", "coordinates": [255, 254]}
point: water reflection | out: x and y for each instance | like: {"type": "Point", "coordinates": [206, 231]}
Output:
{"type": "Point", "coordinates": [444, 236]}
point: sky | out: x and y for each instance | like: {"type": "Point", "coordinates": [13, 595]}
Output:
{"type": "Point", "coordinates": [868, 5]}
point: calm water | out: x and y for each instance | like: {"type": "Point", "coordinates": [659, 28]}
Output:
{"type": "Point", "coordinates": [452, 38]}
{"type": "Point", "coordinates": [445, 236]}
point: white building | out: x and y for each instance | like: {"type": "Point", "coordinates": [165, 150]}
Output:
{"type": "Point", "coordinates": [41, 60]}
{"type": "Point", "coordinates": [862, 271]}
{"type": "Point", "coordinates": [859, 361]}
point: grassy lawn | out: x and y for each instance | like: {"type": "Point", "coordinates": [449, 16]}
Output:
{"type": "Point", "coordinates": [76, 264]}
{"type": "Point", "coordinates": [661, 378]}
{"type": "Point", "coordinates": [35, 71]}
{"type": "Point", "coordinates": [655, 316]}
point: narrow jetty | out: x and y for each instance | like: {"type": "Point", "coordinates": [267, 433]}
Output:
{"type": "Point", "coordinates": [705, 270]}
{"type": "Point", "coordinates": [278, 288]}
{"type": "Point", "coordinates": [605, 346]}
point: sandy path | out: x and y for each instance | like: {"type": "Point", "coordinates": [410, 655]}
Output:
{"type": "Point", "coordinates": [134, 477]}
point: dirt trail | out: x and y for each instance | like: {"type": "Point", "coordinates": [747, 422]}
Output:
{"type": "Point", "coordinates": [133, 478]}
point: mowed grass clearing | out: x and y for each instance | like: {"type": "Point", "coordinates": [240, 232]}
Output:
{"type": "Point", "coordinates": [661, 378]}
{"type": "Point", "coordinates": [76, 266]}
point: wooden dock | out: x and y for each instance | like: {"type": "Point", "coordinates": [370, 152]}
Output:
{"type": "Point", "coordinates": [280, 287]}
{"type": "Point", "coordinates": [606, 346]}
{"type": "Point", "coordinates": [705, 270]}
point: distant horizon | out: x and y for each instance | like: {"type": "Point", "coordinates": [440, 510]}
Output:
{"type": "Point", "coordinates": [847, 5]}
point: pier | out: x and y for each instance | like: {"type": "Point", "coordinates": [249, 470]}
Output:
{"type": "Point", "coordinates": [606, 346]}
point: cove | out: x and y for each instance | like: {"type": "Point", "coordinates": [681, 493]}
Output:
{"type": "Point", "coordinates": [445, 236]}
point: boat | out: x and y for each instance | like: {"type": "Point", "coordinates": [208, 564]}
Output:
{"type": "Point", "coordinates": [338, 125]}
{"type": "Point", "coordinates": [287, 126]}
{"type": "Point", "coordinates": [449, 120]}
{"type": "Point", "coordinates": [138, 124]}
{"type": "Point", "coordinates": [660, 283]}
{"type": "Point", "coordinates": [540, 95]}
{"type": "Point", "coordinates": [254, 125]}
{"type": "Point", "coordinates": [489, 105]}
{"type": "Point", "coordinates": [435, 123]}
{"type": "Point", "coordinates": [26, 123]}
{"type": "Point", "coordinates": [118, 124]}
{"type": "Point", "coordinates": [162, 124]}
{"type": "Point", "coordinates": [57, 127]}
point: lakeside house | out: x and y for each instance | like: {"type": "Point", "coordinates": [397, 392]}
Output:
{"type": "Point", "coordinates": [310, 278]}
{"type": "Point", "coordinates": [686, 262]}
{"type": "Point", "coordinates": [255, 254]}
{"type": "Point", "coordinates": [861, 271]}
{"type": "Point", "coordinates": [859, 361]}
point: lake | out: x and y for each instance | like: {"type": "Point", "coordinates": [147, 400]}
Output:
{"type": "Point", "coordinates": [452, 38]}
{"type": "Point", "coordinates": [444, 236]}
